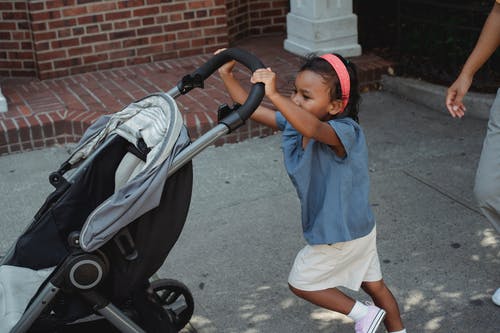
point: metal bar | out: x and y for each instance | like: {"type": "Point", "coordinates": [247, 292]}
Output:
{"type": "Point", "coordinates": [36, 308]}
{"type": "Point", "coordinates": [197, 146]}
{"type": "Point", "coordinates": [119, 319]}
{"type": "Point", "coordinates": [174, 92]}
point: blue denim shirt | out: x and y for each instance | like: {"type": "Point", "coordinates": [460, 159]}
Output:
{"type": "Point", "coordinates": [333, 191]}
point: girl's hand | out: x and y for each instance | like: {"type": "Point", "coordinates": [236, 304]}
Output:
{"type": "Point", "coordinates": [227, 68]}
{"type": "Point", "coordinates": [268, 77]}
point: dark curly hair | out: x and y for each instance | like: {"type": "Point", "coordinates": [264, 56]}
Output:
{"type": "Point", "coordinates": [322, 67]}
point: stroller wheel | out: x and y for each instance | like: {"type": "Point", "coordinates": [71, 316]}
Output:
{"type": "Point", "coordinates": [175, 297]}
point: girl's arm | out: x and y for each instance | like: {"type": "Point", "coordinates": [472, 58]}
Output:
{"type": "Point", "coordinates": [262, 114]}
{"type": "Point", "coordinates": [304, 122]}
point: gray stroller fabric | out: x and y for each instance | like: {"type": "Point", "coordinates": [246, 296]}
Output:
{"type": "Point", "coordinates": [157, 120]}
{"type": "Point", "coordinates": [138, 187]}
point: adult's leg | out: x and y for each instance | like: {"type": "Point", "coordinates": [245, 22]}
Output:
{"type": "Point", "coordinates": [383, 298]}
{"type": "Point", "coordinates": [487, 182]}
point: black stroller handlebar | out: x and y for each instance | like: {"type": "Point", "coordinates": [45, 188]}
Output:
{"type": "Point", "coordinates": [247, 59]}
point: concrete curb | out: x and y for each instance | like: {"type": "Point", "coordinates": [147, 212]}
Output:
{"type": "Point", "coordinates": [433, 95]}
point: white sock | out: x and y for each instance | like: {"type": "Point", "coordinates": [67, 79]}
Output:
{"type": "Point", "coordinates": [402, 331]}
{"type": "Point", "coordinates": [359, 310]}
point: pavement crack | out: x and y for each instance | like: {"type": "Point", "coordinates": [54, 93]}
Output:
{"type": "Point", "coordinates": [442, 191]}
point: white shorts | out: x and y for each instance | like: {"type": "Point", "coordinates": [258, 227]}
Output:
{"type": "Point", "coordinates": [346, 264]}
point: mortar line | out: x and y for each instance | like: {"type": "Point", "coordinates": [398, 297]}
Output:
{"type": "Point", "coordinates": [443, 192]}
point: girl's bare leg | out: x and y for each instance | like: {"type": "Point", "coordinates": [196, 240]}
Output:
{"type": "Point", "coordinates": [331, 299]}
{"type": "Point", "coordinates": [383, 298]}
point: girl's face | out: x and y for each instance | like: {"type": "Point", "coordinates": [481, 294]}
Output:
{"type": "Point", "coordinates": [312, 94]}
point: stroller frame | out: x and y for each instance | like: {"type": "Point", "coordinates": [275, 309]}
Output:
{"type": "Point", "coordinates": [229, 120]}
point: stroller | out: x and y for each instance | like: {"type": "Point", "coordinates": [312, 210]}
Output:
{"type": "Point", "coordinates": [120, 202]}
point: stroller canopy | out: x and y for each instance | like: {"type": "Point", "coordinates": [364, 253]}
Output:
{"type": "Point", "coordinates": [157, 122]}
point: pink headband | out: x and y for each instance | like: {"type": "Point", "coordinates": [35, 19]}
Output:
{"type": "Point", "coordinates": [341, 70]}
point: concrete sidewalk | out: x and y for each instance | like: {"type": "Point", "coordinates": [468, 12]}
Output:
{"type": "Point", "coordinates": [439, 255]}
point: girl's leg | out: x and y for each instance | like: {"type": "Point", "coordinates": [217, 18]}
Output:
{"type": "Point", "coordinates": [383, 298]}
{"type": "Point", "coordinates": [331, 299]}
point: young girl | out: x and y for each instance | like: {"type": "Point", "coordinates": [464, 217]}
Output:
{"type": "Point", "coordinates": [326, 157]}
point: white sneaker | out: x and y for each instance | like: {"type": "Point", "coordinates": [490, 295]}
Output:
{"type": "Point", "coordinates": [370, 322]}
{"type": "Point", "coordinates": [496, 297]}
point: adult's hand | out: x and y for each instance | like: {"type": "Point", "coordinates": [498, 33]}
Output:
{"type": "Point", "coordinates": [455, 95]}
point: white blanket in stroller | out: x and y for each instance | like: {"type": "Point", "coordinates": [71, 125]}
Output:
{"type": "Point", "coordinates": [17, 287]}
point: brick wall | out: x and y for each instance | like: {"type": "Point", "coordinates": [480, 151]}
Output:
{"type": "Point", "coordinates": [75, 36]}
{"type": "Point", "coordinates": [255, 17]}
{"type": "Point", "coordinates": [16, 49]}
{"type": "Point", "coordinates": [54, 38]}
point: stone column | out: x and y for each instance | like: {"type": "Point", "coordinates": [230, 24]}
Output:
{"type": "Point", "coordinates": [322, 26]}
{"type": "Point", "coordinates": [3, 102]}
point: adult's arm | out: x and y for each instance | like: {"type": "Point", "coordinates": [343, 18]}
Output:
{"type": "Point", "coordinates": [487, 43]}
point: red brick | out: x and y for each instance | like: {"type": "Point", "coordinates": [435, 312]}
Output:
{"type": "Point", "coordinates": [202, 23]}
{"type": "Point", "coordinates": [62, 23]}
{"type": "Point", "coordinates": [7, 25]}
{"type": "Point", "coordinates": [217, 11]}
{"type": "Point", "coordinates": [64, 43]}
{"type": "Point", "coordinates": [95, 58]}
{"type": "Point", "coordinates": [38, 144]}
{"type": "Point", "coordinates": [24, 130]}
{"type": "Point", "coordinates": [6, 6]}
{"type": "Point", "coordinates": [149, 31]}
{"type": "Point", "coordinates": [199, 4]}
{"type": "Point", "coordinates": [162, 38]}
{"type": "Point", "coordinates": [4, 150]}
{"type": "Point", "coordinates": [130, 3]}
{"type": "Point", "coordinates": [59, 123]}
{"type": "Point", "coordinates": [94, 39]}
{"type": "Point", "coordinates": [103, 6]}
{"type": "Point", "coordinates": [74, 11]}
{"type": "Point", "coordinates": [176, 7]}
{"type": "Point", "coordinates": [13, 147]}
{"type": "Point", "coordinates": [176, 26]}
{"type": "Point", "coordinates": [149, 11]}
{"type": "Point", "coordinates": [58, 3]}
{"type": "Point", "coordinates": [118, 15]}
{"type": "Point", "coordinates": [11, 130]}
{"type": "Point", "coordinates": [77, 51]}
{"type": "Point", "coordinates": [90, 19]}
{"type": "Point", "coordinates": [107, 46]}
{"type": "Point", "coordinates": [44, 35]}
{"type": "Point", "coordinates": [14, 16]}
{"type": "Point", "coordinates": [51, 55]}
{"type": "Point", "coordinates": [120, 25]}
{"type": "Point", "coordinates": [47, 125]}
{"type": "Point", "coordinates": [121, 54]}
{"type": "Point", "coordinates": [9, 45]}
{"type": "Point", "coordinates": [189, 34]}
{"type": "Point", "coordinates": [122, 34]}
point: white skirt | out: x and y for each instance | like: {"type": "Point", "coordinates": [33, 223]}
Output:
{"type": "Point", "coordinates": [346, 264]}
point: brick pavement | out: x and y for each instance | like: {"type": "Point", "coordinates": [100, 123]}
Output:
{"type": "Point", "coordinates": [44, 113]}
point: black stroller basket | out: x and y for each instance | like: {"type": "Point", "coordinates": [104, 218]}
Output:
{"type": "Point", "coordinates": [94, 270]}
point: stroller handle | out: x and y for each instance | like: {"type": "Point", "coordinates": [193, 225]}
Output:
{"type": "Point", "coordinates": [247, 59]}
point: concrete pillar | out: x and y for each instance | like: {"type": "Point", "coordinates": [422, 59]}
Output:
{"type": "Point", "coordinates": [3, 102]}
{"type": "Point", "coordinates": [322, 26]}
